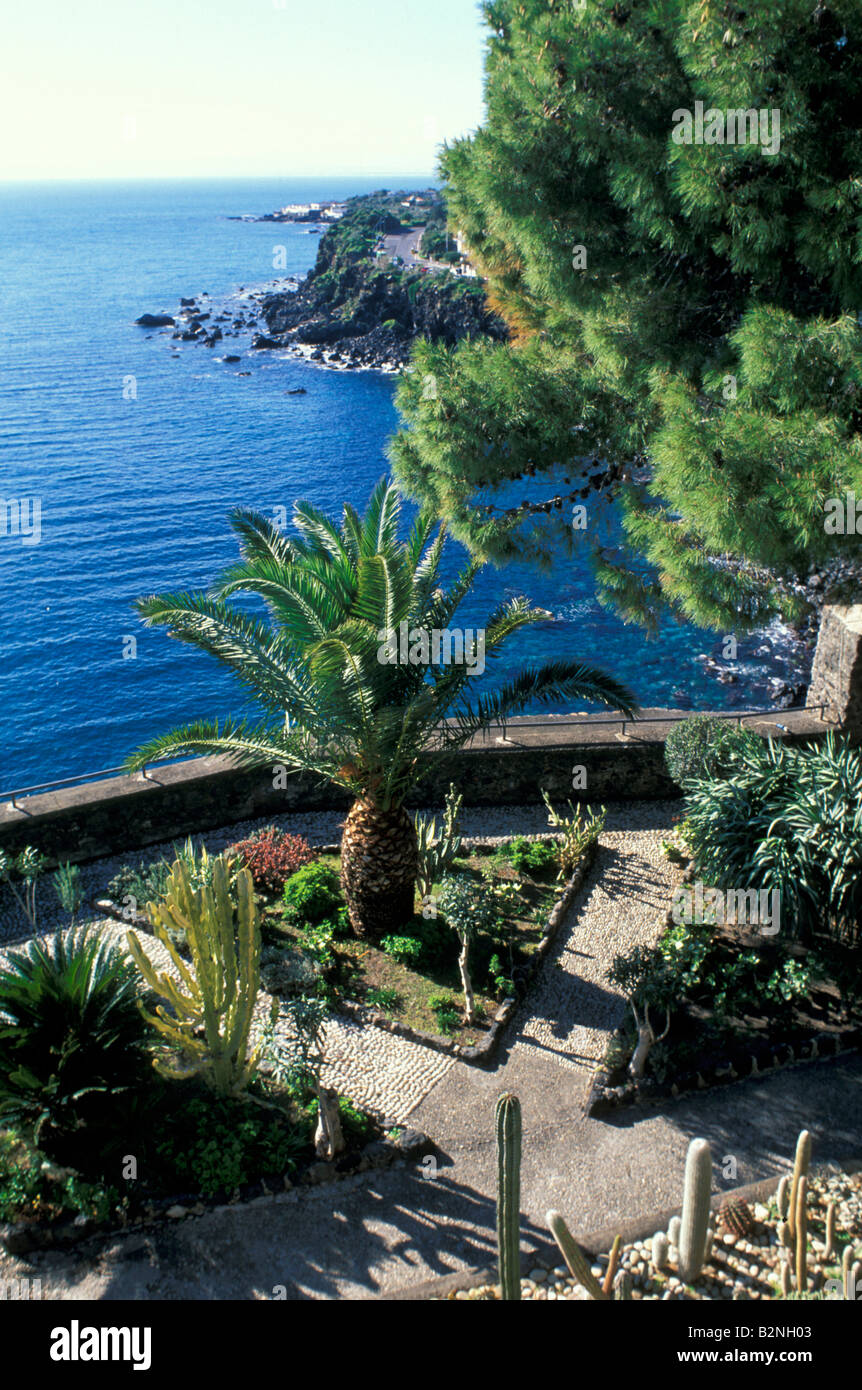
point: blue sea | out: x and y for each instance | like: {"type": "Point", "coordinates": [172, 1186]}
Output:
{"type": "Point", "coordinates": [138, 446]}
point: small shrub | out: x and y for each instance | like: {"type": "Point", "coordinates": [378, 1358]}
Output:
{"type": "Point", "coordinates": [405, 949]}
{"type": "Point", "coordinates": [532, 855]}
{"type": "Point", "coordinates": [216, 1144]}
{"type": "Point", "coordinates": [273, 856]}
{"type": "Point", "coordinates": [30, 1187]}
{"type": "Point", "coordinates": [385, 999]}
{"type": "Point", "coordinates": [132, 888]}
{"type": "Point", "coordinates": [312, 893]}
{"type": "Point", "coordinates": [445, 1010]}
{"type": "Point", "coordinates": [67, 886]}
{"type": "Point", "coordinates": [786, 819]}
{"type": "Point", "coordinates": [703, 746]}
{"type": "Point", "coordinates": [290, 973]}
{"type": "Point", "coordinates": [468, 909]}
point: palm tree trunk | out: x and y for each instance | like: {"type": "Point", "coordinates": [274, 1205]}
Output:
{"type": "Point", "coordinates": [379, 861]}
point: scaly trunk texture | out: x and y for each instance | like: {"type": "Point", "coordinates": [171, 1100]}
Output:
{"type": "Point", "coordinates": [379, 861]}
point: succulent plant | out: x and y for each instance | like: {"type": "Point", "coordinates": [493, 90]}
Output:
{"type": "Point", "coordinates": [660, 1250]}
{"type": "Point", "coordinates": [695, 1210]}
{"type": "Point", "coordinates": [508, 1127]}
{"type": "Point", "coordinates": [735, 1216]}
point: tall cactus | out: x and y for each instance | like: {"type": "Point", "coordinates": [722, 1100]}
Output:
{"type": "Point", "coordinates": [802, 1234]}
{"type": "Point", "coordinates": [217, 995]}
{"type": "Point", "coordinates": [507, 1120]}
{"type": "Point", "coordinates": [801, 1164]}
{"type": "Point", "coordinates": [695, 1210]}
{"type": "Point", "coordinates": [574, 1257]}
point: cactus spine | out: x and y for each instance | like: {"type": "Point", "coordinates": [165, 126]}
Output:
{"type": "Point", "coordinates": [508, 1126]}
{"type": "Point", "coordinates": [802, 1235]}
{"type": "Point", "coordinates": [575, 1257]}
{"type": "Point", "coordinates": [613, 1261]}
{"type": "Point", "coordinates": [695, 1210]}
{"type": "Point", "coordinates": [800, 1169]}
{"type": "Point", "coordinates": [218, 994]}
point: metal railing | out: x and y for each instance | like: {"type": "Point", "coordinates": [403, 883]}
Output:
{"type": "Point", "coordinates": [590, 721]}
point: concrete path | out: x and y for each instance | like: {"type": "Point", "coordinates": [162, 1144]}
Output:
{"type": "Point", "coordinates": [379, 1232]}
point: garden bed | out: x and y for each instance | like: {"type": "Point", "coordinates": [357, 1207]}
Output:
{"type": "Point", "coordinates": [417, 995]}
{"type": "Point", "coordinates": [756, 1004]}
{"type": "Point", "coordinates": [198, 1152]}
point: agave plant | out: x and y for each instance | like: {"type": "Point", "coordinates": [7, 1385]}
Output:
{"type": "Point", "coordinates": [335, 702]}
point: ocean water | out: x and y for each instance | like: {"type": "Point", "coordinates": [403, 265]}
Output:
{"type": "Point", "coordinates": [137, 447]}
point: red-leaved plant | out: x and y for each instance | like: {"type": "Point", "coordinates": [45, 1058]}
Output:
{"type": "Point", "coordinates": [273, 856]}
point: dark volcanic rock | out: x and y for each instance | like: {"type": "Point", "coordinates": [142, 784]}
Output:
{"type": "Point", "coordinates": [155, 321]}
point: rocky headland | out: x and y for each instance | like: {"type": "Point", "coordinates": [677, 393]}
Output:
{"type": "Point", "coordinates": [362, 305]}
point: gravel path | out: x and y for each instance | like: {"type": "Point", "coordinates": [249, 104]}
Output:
{"type": "Point", "coordinates": [623, 904]}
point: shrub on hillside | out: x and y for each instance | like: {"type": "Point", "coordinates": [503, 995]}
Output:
{"type": "Point", "coordinates": [273, 856]}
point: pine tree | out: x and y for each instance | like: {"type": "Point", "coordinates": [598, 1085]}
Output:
{"type": "Point", "coordinates": [685, 317]}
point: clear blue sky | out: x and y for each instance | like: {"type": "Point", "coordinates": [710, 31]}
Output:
{"type": "Point", "coordinates": [207, 88]}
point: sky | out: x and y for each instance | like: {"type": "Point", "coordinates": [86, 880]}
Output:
{"type": "Point", "coordinates": [109, 89]}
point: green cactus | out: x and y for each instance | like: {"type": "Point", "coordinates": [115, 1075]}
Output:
{"type": "Point", "coordinates": [623, 1285]}
{"type": "Point", "coordinates": [660, 1250]}
{"type": "Point", "coordinates": [574, 1257]}
{"type": "Point", "coordinates": [829, 1250]}
{"type": "Point", "coordinates": [695, 1210]}
{"type": "Point", "coordinates": [801, 1164]}
{"type": "Point", "coordinates": [613, 1261]}
{"type": "Point", "coordinates": [782, 1197]}
{"type": "Point", "coordinates": [507, 1119]}
{"type": "Point", "coordinates": [216, 996]}
{"type": "Point", "coordinates": [801, 1226]}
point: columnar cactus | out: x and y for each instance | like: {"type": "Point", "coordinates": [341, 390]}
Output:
{"type": "Point", "coordinates": [216, 997]}
{"type": "Point", "coordinates": [855, 1280]}
{"type": "Point", "coordinates": [574, 1257]}
{"type": "Point", "coordinates": [829, 1251]}
{"type": "Point", "coordinates": [508, 1126]}
{"type": "Point", "coordinates": [695, 1210]}
{"type": "Point", "coordinates": [801, 1165]}
{"type": "Point", "coordinates": [802, 1235]}
{"type": "Point", "coordinates": [613, 1261]}
{"type": "Point", "coordinates": [782, 1197]}
{"type": "Point", "coordinates": [660, 1250]}
{"type": "Point", "coordinates": [673, 1229]}
{"type": "Point", "coordinates": [846, 1261]}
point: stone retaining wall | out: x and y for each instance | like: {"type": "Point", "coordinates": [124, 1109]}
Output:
{"type": "Point", "coordinates": [126, 813]}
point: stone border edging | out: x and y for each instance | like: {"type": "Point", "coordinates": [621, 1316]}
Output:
{"type": "Point", "coordinates": [598, 1242]}
{"type": "Point", "coordinates": [483, 1052]}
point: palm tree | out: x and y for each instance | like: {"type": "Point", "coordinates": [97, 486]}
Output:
{"type": "Point", "coordinates": [335, 701]}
